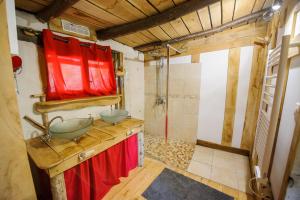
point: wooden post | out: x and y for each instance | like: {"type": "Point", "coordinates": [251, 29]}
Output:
{"type": "Point", "coordinates": [42, 98]}
{"type": "Point", "coordinates": [58, 187]}
{"type": "Point", "coordinates": [44, 115]}
{"type": "Point", "coordinates": [16, 178]}
{"type": "Point", "coordinates": [141, 148]}
{"type": "Point", "coordinates": [122, 79]}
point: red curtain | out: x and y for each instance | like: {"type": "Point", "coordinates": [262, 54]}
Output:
{"type": "Point", "coordinates": [76, 69]}
{"type": "Point", "coordinates": [93, 178]}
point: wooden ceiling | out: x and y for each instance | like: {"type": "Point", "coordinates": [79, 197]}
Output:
{"type": "Point", "coordinates": [101, 14]}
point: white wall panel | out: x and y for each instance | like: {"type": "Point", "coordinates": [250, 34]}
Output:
{"type": "Point", "coordinates": [12, 27]}
{"type": "Point", "coordinates": [175, 60]}
{"type": "Point", "coordinates": [242, 94]}
{"type": "Point", "coordinates": [212, 95]}
{"type": "Point", "coordinates": [134, 88]}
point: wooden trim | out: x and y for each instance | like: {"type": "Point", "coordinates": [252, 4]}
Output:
{"type": "Point", "coordinates": [154, 20]}
{"type": "Point", "coordinates": [196, 58]}
{"type": "Point", "coordinates": [292, 155]}
{"type": "Point", "coordinates": [254, 96]}
{"type": "Point", "coordinates": [205, 33]}
{"type": "Point", "coordinates": [244, 35]}
{"type": "Point", "coordinates": [231, 94]}
{"type": "Point", "coordinates": [71, 104]}
{"type": "Point", "coordinates": [55, 9]}
{"type": "Point", "coordinates": [243, 152]}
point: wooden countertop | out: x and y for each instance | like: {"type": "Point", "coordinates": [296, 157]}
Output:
{"type": "Point", "coordinates": [59, 155]}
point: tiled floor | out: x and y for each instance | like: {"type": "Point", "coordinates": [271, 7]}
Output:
{"type": "Point", "coordinates": [223, 167]}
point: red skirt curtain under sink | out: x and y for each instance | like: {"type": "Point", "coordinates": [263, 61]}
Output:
{"type": "Point", "coordinates": [76, 69]}
{"type": "Point", "coordinates": [93, 178]}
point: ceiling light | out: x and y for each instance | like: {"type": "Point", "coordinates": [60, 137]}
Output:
{"type": "Point", "coordinates": [276, 6]}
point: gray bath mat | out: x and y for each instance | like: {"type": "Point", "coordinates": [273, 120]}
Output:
{"type": "Point", "coordinates": [170, 185]}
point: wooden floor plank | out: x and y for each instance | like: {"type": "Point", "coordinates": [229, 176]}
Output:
{"type": "Point", "coordinates": [141, 178]}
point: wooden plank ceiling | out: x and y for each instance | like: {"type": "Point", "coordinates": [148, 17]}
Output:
{"type": "Point", "coordinates": [100, 14]}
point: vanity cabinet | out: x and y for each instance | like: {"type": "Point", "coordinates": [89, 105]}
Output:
{"type": "Point", "coordinates": [89, 167]}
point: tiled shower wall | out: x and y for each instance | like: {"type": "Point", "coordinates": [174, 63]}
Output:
{"type": "Point", "coordinates": [184, 89]}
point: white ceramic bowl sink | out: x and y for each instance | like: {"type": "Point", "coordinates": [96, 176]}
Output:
{"type": "Point", "coordinates": [71, 128]}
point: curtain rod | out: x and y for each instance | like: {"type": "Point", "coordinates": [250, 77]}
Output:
{"type": "Point", "coordinates": [84, 44]}
{"type": "Point", "coordinates": [31, 35]}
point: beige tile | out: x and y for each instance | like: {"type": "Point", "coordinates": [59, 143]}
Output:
{"type": "Point", "coordinates": [176, 106]}
{"type": "Point", "coordinates": [200, 169]}
{"type": "Point", "coordinates": [203, 155]}
{"type": "Point", "coordinates": [224, 159]}
{"type": "Point", "coordinates": [189, 134]}
{"type": "Point", "coordinates": [243, 176]}
{"type": "Point", "coordinates": [190, 120]}
{"type": "Point", "coordinates": [177, 72]}
{"type": "Point", "coordinates": [176, 87]}
{"type": "Point", "coordinates": [224, 154]}
{"type": "Point", "coordinates": [192, 87]}
{"type": "Point", "coordinates": [191, 105]}
{"type": "Point", "coordinates": [242, 163]}
{"type": "Point", "coordinates": [193, 71]}
{"type": "Point", "coordinates": [150, 88]}
{"type": "Point", "coordinates": [225, 176]}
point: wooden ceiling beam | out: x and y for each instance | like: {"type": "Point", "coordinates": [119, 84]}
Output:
{"type": "Point", "coordinates": [55, 9]}
{"type": "Point", "coordinates": [154, 20]}
{"type": "Point", "coordinates": [205, 33]}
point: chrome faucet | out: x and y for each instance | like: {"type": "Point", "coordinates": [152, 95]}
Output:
{"type": "Point", "coordinates": [48, 135]}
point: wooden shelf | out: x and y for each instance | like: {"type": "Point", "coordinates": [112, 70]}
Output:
{"type": "Point", "coordinates": [51, 106]}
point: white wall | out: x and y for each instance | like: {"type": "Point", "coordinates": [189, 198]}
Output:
{"type": "Point", "coordinates": [29, 81]}
{"type": "Point", "coordinates": [214, 67]}
{"type": "Point", "coordinates": [12, 28]}
{"type": "Point", "coordinates": [134, 88]}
